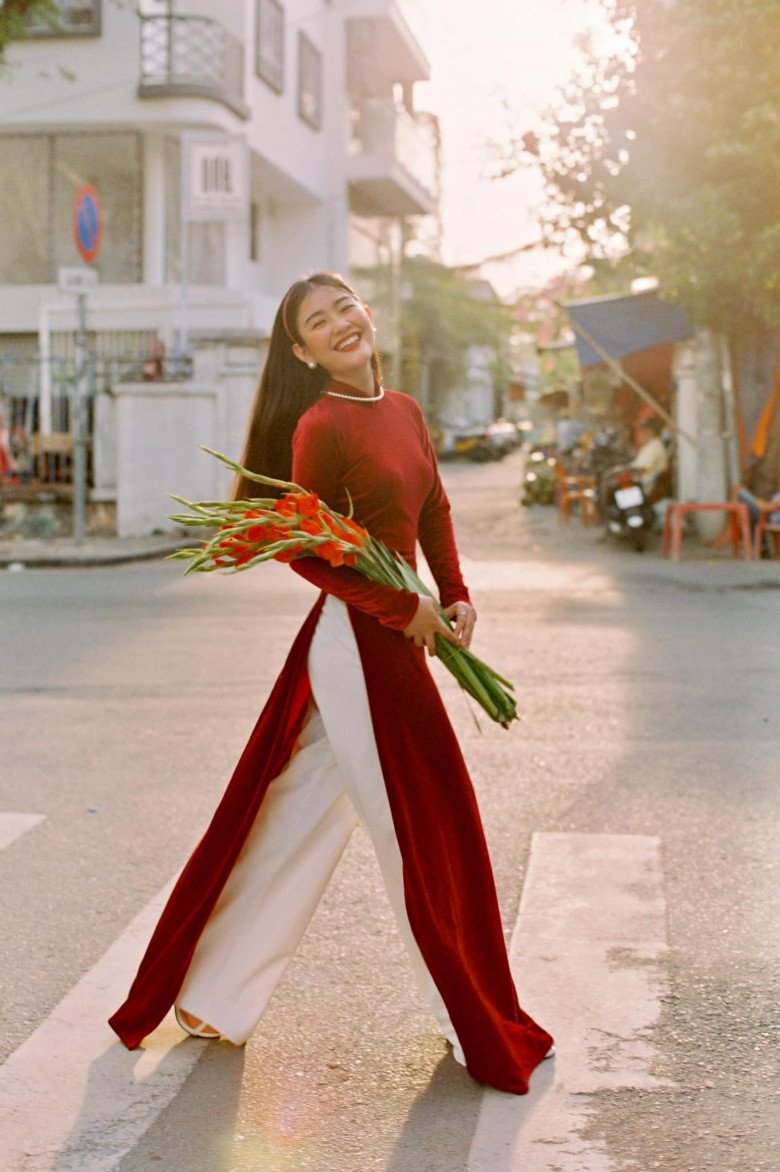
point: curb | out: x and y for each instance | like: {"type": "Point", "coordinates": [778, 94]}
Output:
{"type": "Point", "coordinates": [83, 556]}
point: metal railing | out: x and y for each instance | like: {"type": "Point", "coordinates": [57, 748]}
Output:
{"type": "Point", "coordinates": [37, 405]}
{"type": "Point", "coordinates": [191, 56]}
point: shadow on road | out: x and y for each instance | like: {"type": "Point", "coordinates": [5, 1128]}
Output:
{"type": "Point", "coordinates": [440, 1127]}
{"type": "Point", "coordinates": [196, 1131]}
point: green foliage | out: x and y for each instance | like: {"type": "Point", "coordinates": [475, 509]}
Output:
{"type": "Point", "coordinates": [14, 15]}
{"type": "Point", "coordinates": [670, 146]}
{"type": "Point", "coordinates": [444, 313]}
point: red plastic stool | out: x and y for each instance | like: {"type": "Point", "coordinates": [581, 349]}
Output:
{"type": "Point", "coordinates": [738, 518]}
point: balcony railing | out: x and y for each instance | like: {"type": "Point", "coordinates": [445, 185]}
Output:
{"type": "Point", "coordinates": [191, 56]}
{"type": "Point", "coordinates": [382, 129]}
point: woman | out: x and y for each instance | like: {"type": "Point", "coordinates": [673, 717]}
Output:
{"type": "Point", "coordinates": [354, 729]}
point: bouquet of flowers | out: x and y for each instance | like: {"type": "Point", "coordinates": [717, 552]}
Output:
{"type": "Point", "coordinates": [298, 524]}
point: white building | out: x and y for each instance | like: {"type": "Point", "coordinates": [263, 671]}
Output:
{"type": "Point", "coordinates": [292, 119]}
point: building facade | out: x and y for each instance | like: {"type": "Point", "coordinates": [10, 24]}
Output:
{"type": "Point", "coordinates": [231, 146]}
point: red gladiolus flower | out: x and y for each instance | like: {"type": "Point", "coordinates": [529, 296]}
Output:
{"type": "Point", "coordinates": [289, 554]}
{"type": "Point", "coordinates": [311, 526]}
{"type": "Point", "coordinates": [308, 505]}
{"type": "Point", "coordinates": [257, 533]}
{"type": "Point", "coordinates": [348, 530]}
{"type": "Point", "coordinates": [287, 506]}
{"type": "Point", "coordinates": [332, 553]}
{"type": "Point", "coordinates": [357, 530]}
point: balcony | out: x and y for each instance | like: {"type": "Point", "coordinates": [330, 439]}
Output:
{"type": "Point", "coordinates": [383, 45]}
{"type": "Point", "coordinates": [191, 56]}
{"type": "Point", "coordinates": [393, 164]}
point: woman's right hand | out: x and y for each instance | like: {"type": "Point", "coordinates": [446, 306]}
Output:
{"type": "Point", "coordinates": [427, 624]}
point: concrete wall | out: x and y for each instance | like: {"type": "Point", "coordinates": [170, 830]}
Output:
{"type": "Point", "coordinates": [160, 425]}
{"type": "Point", "coordinates": [158, 429]}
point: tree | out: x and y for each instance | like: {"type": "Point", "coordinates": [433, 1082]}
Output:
{"type": "Point", "coordinates": [444, 314]}
{"type": "Point", "coordinates": [14, 15]}
{"type": "Point", "coordinates": [668, 147]}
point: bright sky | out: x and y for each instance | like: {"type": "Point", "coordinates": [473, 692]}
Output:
{"type": "Point", "coordinates": [484, 52]}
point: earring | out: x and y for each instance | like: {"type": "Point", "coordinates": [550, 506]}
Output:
{"type": "Point", "coordinates": [312, 365]}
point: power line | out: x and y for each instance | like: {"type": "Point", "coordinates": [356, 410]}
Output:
{"type": "Point", "coordinates": [500, 257]}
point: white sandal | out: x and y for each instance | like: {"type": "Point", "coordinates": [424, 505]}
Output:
{"type": "Point", "coordinates": [201, 1030]}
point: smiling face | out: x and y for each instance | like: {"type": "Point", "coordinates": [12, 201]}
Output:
{"type": "Point", "coordinates": [337, 334]}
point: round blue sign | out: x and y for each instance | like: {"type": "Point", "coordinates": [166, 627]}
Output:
{"type": "Point", "coordinates": [87, 222]}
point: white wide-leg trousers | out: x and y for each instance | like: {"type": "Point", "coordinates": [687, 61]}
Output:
{"type": "Point", "coordinates": [305, 821]}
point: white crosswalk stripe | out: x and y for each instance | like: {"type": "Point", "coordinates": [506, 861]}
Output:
{"type": "Point", "coordinates": [586, 952]}
{"type": "Point", "coordinates": [13, 826]}
{"type": "Point", "coordinates": [71, 1097]}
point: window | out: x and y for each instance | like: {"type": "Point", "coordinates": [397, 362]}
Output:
{"type": "Point", "coordinates": [73, 18]}
{"type": "Point", "coordinates": [206, 240]}
{"type": "Point", "coordinates": [41, 175]}
{"type": "Point", "coordinates": [269, 54]}
{"type": "Point", "coordinates": [112, 162]}
{"type": "Point", "coordinates": [309, 82]}
{"type": "Point", "coordinates": [25, 229]}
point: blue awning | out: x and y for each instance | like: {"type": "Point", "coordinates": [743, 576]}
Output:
{"type": "Point", "coordinates": [624, 325]}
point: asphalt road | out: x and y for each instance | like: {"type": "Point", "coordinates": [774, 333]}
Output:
{"type": "Point", "coordinates": [649, 695]}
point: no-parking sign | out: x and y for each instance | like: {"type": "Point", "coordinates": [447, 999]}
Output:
{"type": "Point", "coordinates": [87, 222]}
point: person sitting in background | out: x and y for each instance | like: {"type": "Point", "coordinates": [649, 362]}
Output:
{"type": "Point", "coordinates": [7, 462]}
{"type": "Point", "coordinates": [755, 505]}
{"type": "Point", "coordinates": [652, 460]}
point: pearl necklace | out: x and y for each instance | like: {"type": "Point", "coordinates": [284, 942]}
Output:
{"type": "Point", "coordinates": [359, 398]}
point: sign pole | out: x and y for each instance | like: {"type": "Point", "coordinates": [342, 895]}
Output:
{"type": "Point", "coordinates": [88, 235]}
{"type": "Point", "coordinates": [184, 251]}
{"type": "Point", "coordinates": [80, 397]}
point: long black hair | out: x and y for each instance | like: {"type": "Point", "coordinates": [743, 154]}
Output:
{"type": "Point", "coordinates": [286, 389]}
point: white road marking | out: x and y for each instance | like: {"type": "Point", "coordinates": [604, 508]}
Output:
{"type": "Point", "coordinates": [586, 953]}
{"type": "Point", "coordinates": [71, 1097]}
{"type": "Point", "coordinates": [13, 826]}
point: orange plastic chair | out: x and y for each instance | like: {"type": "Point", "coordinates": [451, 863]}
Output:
{"type": "Point", "coordinates": [571, 490]}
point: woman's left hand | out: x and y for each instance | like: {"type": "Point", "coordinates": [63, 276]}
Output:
{"type": "Point", "coordinates": [463, 617]}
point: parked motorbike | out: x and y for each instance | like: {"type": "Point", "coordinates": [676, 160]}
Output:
{"type": "Point", "coordinates": [625, 508]}
{"type": "Point", "coordinates": [539, 479]}
{"type": "Point", "coordinates": [606, 453]}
